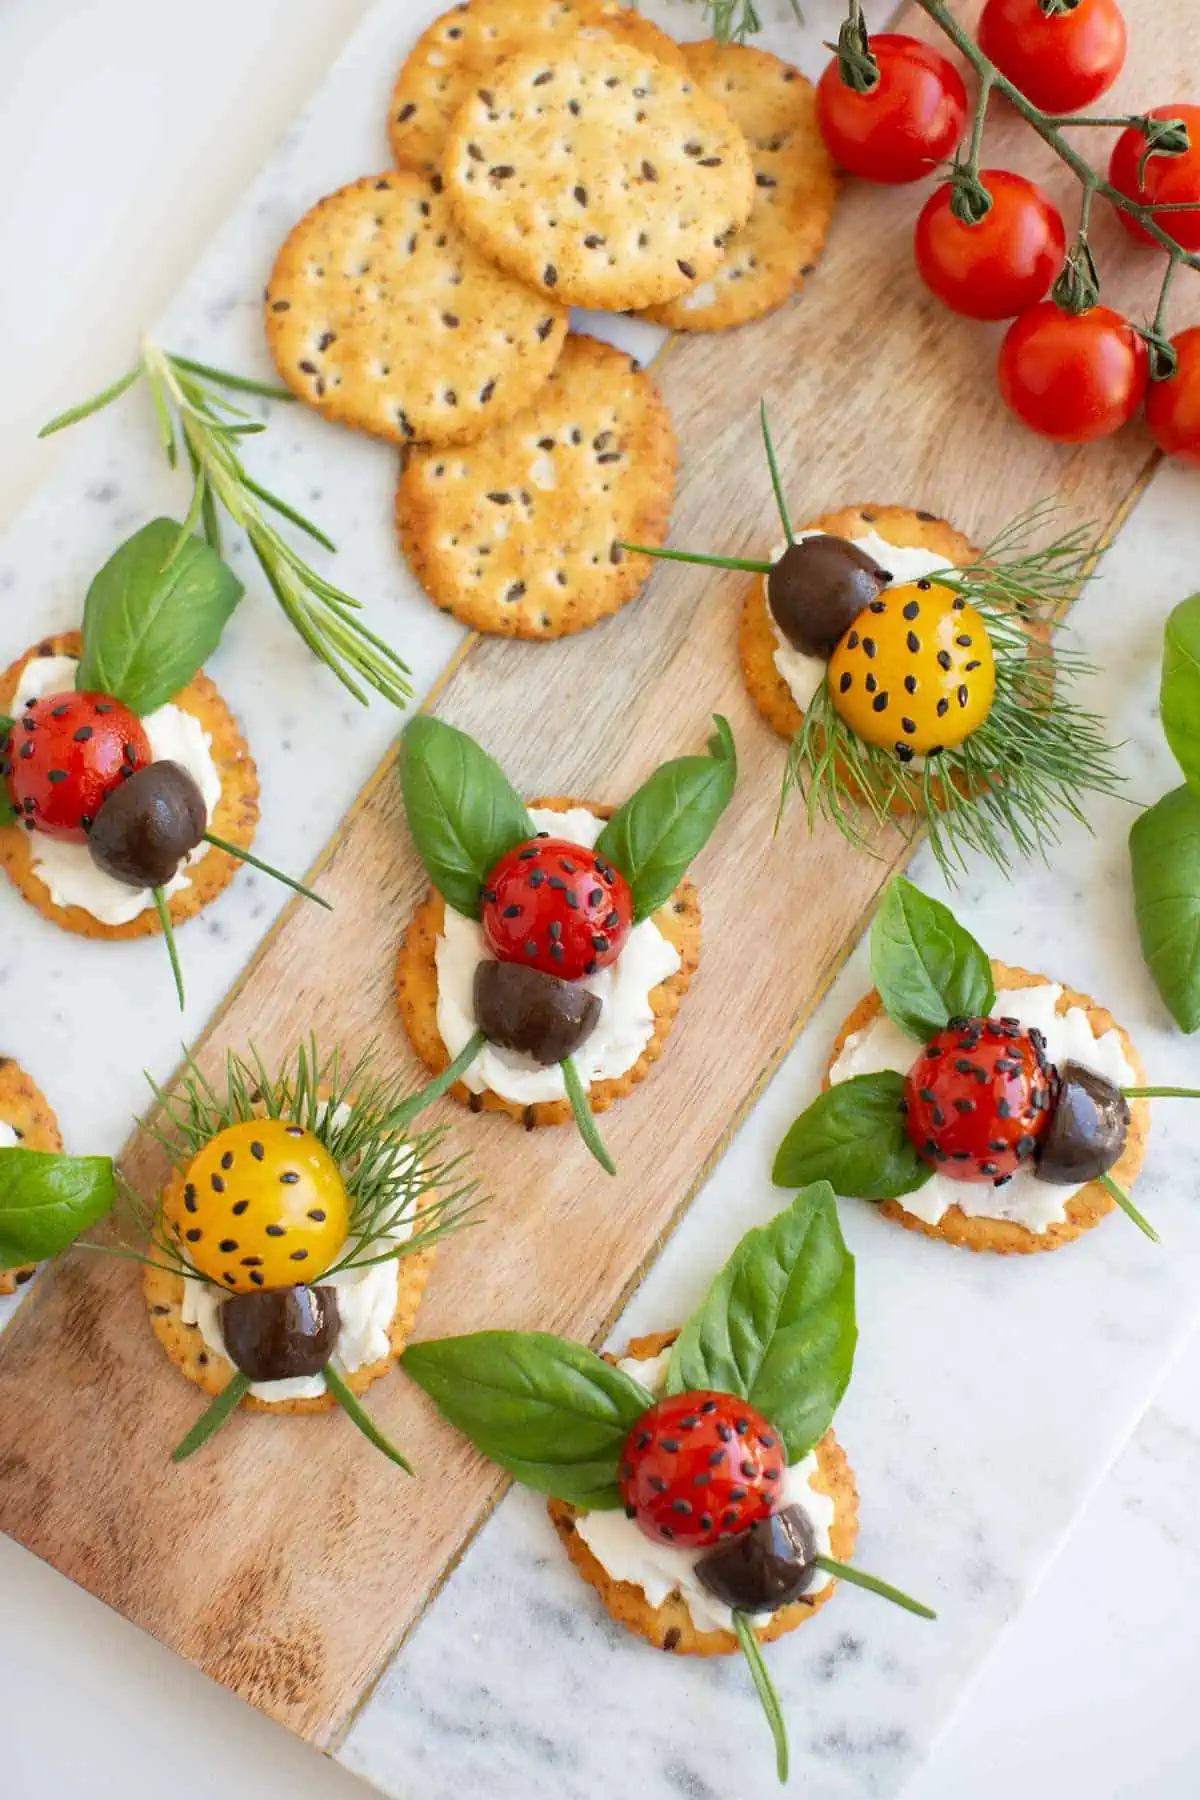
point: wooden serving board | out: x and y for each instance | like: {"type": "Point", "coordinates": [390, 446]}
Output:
{"type": "Point", "coordinates": [289, 1560]}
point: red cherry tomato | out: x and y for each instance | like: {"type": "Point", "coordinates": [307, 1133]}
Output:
{"type": "Point", "coordinates": [700, 1466]}
{"type": "Point", "coordinates": [66, 754]}
{"type": "Point", "coordinates": [554, 906]}
{"type": "Point", "coordinates": [1164, 178]}
{"type": "Point", "coordinates": [1173, 407]}
{"type": "Point", "coordinates": [978, 1099]}
{"type": "Point", "coordinates": [910, 120]}
{"type": "Point", "coordinates": [1073, 376]}
{"type": "Point", "coordinates": [1003, 264]}
{"type": "Point", "coordinates": [1061, 61]}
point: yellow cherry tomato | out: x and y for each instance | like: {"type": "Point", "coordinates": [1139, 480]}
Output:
{"type": "Point", "coordinates": [915, 673]}
{"type": "Point", "coordinates": [263, 1205]}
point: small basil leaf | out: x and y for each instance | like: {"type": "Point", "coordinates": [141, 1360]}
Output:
{"type": "Point", "coordinates": [462, 811]}
{"type": "Point", "coordinates": [663, 827]}
{"type": "Point", "coordinates": [853, 1136]}
{"type": "Point", "coordinates": [777, 1325]}
{"type": "Point", "coordinates": [150, 624]}
{"type": "Point", "coordinates": [47, 1200]}
{"type": "Point", "coordinates": [553, 1413]}
{"type": "Point", "coordinates": [927, 968]}
{"type": "Point", "coordinates": [1179, 689]}
{"type": "Point", "coordinates": [1164, 849]}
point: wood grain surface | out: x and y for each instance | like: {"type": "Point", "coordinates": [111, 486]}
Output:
{"type": "Point", "coordinates": [288, 1560]}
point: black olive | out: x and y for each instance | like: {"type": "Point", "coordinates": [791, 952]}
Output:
{"type": "Point", "coordinates": [1087, 1129]}
{"type": "Point", "coordinates": [766, 1567]}
{"type": "Point", "coordinates": [528, 1010]}
{"type": "Point", "coordinates": [278, 1333]}
{"type": "Point", "coordinates": [148, 825]}
{"type": "Point", "coordinates": [818, 588]}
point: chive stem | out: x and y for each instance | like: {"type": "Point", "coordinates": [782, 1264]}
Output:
{"type": "Point", "coordinates": [348, 1400]}
{"type": "Point", "coordinates": [297, 887]}
{"type": "Point", "coordinates": [776, 478]}
{"type": "Point", "coordinates": [441, 1084]}
{"type": "Point", "coordinates": [761, 1676]}
{"type": "Point", "coordinates": [695, 556]}
{"type": "Point", "coordinates": [1115, 1192]}
{"type": "Point", "coordinates": [859, 1578]}
{"type": "Point", "coordinates": [164, 914]}
{"type": "Point", "coordinates": [213, 1417]}
{"type": "Point", "coordinates": [584, 1116]}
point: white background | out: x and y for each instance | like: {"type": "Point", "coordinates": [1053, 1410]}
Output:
{"type": "Point", "coordinates": [128, 128]}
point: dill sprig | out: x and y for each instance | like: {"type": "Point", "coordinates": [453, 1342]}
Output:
{"type": "Point", "coordinates": [734, 20]}
{"type": "Point", "coordinates": [193, 410]}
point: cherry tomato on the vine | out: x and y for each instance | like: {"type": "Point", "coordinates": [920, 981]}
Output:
{"type": "Point", "coordinates": [902, 127]}
{"type": "Point", "coordinates": [1060, 60]}
{"type": "Point", "coordinates": [1073, 376]}
{"type": "Point", "coordinates": [1173, 407]}
{"type": "Point", "coordinates": [1163, 178]}
{"type": "Point", "coordinates": [999, 266]}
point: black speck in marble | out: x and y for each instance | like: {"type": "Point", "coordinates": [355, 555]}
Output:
{"type": "Point", "coordinates": [102, 492]}
{"type": "Point", "coordinates": [847, 1651]}
{"type": "Point", "coordinates": [689, 1782]}
{"type": "Point", "coordinates": [844, 1745]}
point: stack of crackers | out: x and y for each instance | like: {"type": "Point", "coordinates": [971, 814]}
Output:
{"type": "Point", "coordinates": [551, 153]}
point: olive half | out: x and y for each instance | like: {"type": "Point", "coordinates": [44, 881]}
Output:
{"type": "Point", "coordinates": [277, 1333]}
{"type": "Point", "coordinates": [528, 1010]}
{"type": "Point", "coordinates": [148, 825]}
{"type": "Point", "coordinates": [818, 588]}
{"type": "Point", "coordinates": [766, 1567]}
{"type": "Point", "coordinates": [1087, 1129]}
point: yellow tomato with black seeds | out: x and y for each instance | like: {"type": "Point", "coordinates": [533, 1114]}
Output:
{"type": "Point", "coordinates": [263, 1205]}
{"type": "Point", "coordinates": [916, 672]}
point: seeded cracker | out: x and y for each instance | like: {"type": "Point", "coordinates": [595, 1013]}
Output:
{"type": "Point", "coordinates": [383, 317]}
{"type": "Point", "coordinates": [669, 1626]}
{"type": "Point", "coordinates": [599, 175]}
{"type": "Point", "coordinates": [462, 48]}
{"type": "Point", "coordinates": [521, 532]}
{"type": "Point", "coordinates": [417, 992]}
{"type": "Point", "coordinates": [1084, 1209]}
{"type": "Point", "coordinates": [25, 1108]}
{"type": "Point", "coordinates": [235, 818]}
{"type": "Point", "coordinates": [794, 192]}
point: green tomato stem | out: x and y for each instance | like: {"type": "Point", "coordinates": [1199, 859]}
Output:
{"type": "Point", "coordinates": [1117, 1193]}
{"type": "Point", "coordinates": [584, 1117]}
{"type": "Point", "coordinates": [859, 1578]}
{"type": "Point", "coordinates": [297, 887]}
{"type": "Point", "coordinates": [164, 913]}
{"type": "Point", "coordinates": [441, 1084]}
{"type": "Point", "coordinates": [213, 1417]}
{"type": "Point", "coordinates": [348, 1400]}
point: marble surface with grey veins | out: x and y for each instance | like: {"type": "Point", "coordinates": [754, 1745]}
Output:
{"type": "Point", "coordinates": [990, 1394]}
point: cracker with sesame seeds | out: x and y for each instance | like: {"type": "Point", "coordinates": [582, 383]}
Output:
{"type": "Point", "coordinates": [382, 316]}
{"type": "Point", "coordinates": [25, 1108]}
{"type": "Point", "coordinates": [417, 997]}
{"type": "Point", "coordinates": [520, 533]}
{"type": "Point", "coordinates": [670, 1626]}
{"type": "Point", "coordinates": [234, 819]}
{"type": "Point", "coordinates": [599, 175]}
{"type": "Point", "coordinates": [1084, 1209]}
{"type": "Point", "coordinates": [794, 188]}
{"type": "Point", "coordinates": [463, 47]}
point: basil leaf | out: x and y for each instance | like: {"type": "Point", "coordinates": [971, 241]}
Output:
{"type": "Point", "coordinates": [149, 625]}
{"type": "Point", "coordinates": [462, 810]}
{"type": "Point", "coordinates": [1179, 689]}
{"type": "Point", "coordinates": [47, 1200]}
{"type": "Point", "coordinates": [853, 1137]}
{"type": "Point", "coordinates": [928, 969]}
{"type": "Point", "coordinates": [663, 827]}
{"type": "Point", "coordinates": [553, 1413]}
{"type": "Point", "coordinates": [1164, 849]}
{"type": "Point", "coordinates": [777, 1325]}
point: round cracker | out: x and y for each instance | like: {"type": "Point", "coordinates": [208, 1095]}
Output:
{"type": "Point", "coordinates": [25, 1108]}
{"type": "Point", "coordinates": [416, 996]}
{"type": "Point", "coordinates": [462, 48]}
{"type": "Point", "coordinates": [383, 317]}
{"type": "Point", "coordinates": [794, 188]}
{"type": "Point", "coordinates": [670, 1626]}
{"type": "Point", "coordinates": [599, 175]}
{"type": "Point", "coordinates": [1084, 1209]}
{"type": "Point", "coordinates": [521, 532]}
{"type": "Point", "coordinates": [234, 819]}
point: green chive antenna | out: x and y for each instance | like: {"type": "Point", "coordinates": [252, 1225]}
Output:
{"type": "Point", "coordinates": [776, 479]}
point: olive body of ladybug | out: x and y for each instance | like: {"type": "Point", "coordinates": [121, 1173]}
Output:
{"type": "Point", "coordinates": [279, 1334]}
{"type": "Point", "coordinates": [1087, 1129]}
{"type": "Point", "coordinates": [916, 674]}
{"type": "Point", "coordinates": [819, 587]}
{"type": "Point", "coordinates": [554, 906]}
{"type": "Point", "coordinates": [148, 825]}
{"type": "Point", "coordinates": [262, 1205]}
{"type": "Point", "coordinates": [698, 1467]}
{"type": "Point", "coordinates": [66, 753]}
{"type": "Point", "coordinates": [767, 1567]}
{"type": "Point", "coordinates": [978, 1099]}
{"type": "Point", "coordinates": [532, 1012]}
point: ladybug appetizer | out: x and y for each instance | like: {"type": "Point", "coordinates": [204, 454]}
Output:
{"type": "Point", "coordinates": [286, 1257]}
{"type": "Point", "coordinates": [695, 1483]}
{"type": "Point", "coordinates": [46, 1198]}
{"type": "Point", "coordinates": [128, 796]}
{"type": "Point", "coordinates": [977, 1103]}
{"type": "Point", "coordinates": [913, 677]}
{"type": "Point", "coordinates": [542, 975]}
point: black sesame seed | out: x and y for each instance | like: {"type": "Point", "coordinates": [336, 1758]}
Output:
{"type": "Point", "coordinates": [913, 642]}
{"type": "Point", "coordinates": [879, 703]}
{"type": "Point", "coordinates": [227, 1245]}
{"type": "Point", "coordinates": [276, 1230]}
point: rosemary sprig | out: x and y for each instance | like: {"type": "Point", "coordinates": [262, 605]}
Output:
{"type": "Point", "coordinates": [192, 409]}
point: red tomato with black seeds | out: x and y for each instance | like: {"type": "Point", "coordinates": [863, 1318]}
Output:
{"type": "Point", "coordinates": [905, 125]}
{"type": "Point", "coordinates": [66, 754]}
{"type": "Point", "coordinates": [1073, 376]}
{"type": "Point", "coordinates": [1059, 60]}
{"type": "Point", "coordinates": [1173, 407]}
{"type": "Point", "coordinates": [698, 1467]}
{"type": "Point", "coordinates": [999, 266]}
{"type": "Point", "coordinates": [555, 906]}
{"type": "Point", "coordinates": [978, 1099]}
{"type": "Point", "coordinates": [1162, 180]}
